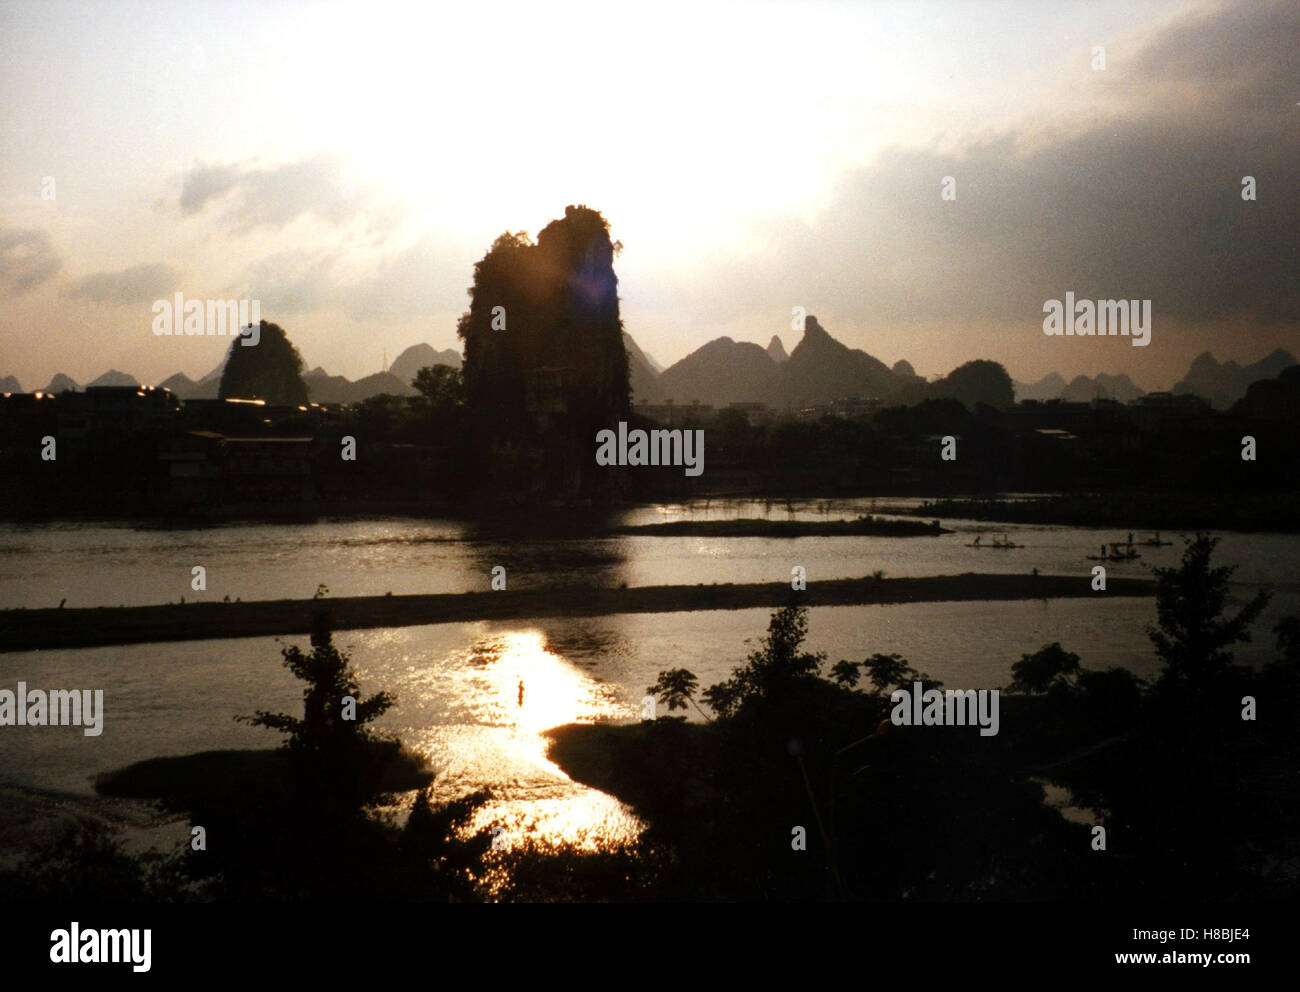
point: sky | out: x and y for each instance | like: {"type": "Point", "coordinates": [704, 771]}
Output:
{"type": "Point", "coordinates": [347, 164]}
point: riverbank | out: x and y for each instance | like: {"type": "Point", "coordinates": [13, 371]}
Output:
{"type": "Point", "coordinates": [227, 778]}
{"type": "Point", "coordinates": [1131, 511]}
{"type": "Point", "coordinates": [861, 527]}
{"type": "Point", "coordinates": [29, 630]}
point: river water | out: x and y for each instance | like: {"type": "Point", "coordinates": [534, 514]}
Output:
{"type": "Point", "coordinates": [458, 684]}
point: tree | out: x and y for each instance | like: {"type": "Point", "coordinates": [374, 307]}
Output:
{"type": "Point", "coordinates": [676, 687]}
{"type": "Point", "coordinates": [381, 416]}
{"type": "Point", "coordinates": [1048, 666]}
{"type": "Point", "coordinates": [1194, 635]}
{"type": "Point", "coordinates": [441, 385]}
{"type": "Point", "coordinates": [270, 370]}
{"type": "Point", "coordinates": [774, 672]}
{"type": "Point", "coordinates": [337, 756]}
{"type": "Point", "coordinates": [887, 672]}
{"type": "Point", "coordinates": [439, 844]}
{"type": "Point", "coordinates": [845, 673]}
{"type": "Point", "coordinates": [442, 401]}
{"type": "Point", "coordinates": [771, 671]}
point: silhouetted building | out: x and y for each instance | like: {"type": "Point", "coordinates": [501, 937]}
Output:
{"type": "Point", "coordinates": [855, 407]}
{"type": "Point", "coordinates": [671, 414]}
{"type": "Point", "coordinates": [755, 413]}
{"type": "Point", "coordinates": [211, 469]}
{"type": "Point", "coordinates": [117, 408]}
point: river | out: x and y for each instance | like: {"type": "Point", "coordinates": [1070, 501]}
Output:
{"type": "Point", "coordinates": [458, 684]}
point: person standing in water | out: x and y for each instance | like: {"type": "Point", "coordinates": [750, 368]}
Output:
{"type": "Point", "coordinates": [521, 693]}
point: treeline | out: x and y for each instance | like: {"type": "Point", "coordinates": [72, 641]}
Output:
{"type": "Point", "coordinates": [1028, 448]}
{"type": "Point", "coordinates": [430, 453]}
{"type": "Point", "coordinates": [799, 786]}
{"type": "Point", "coordinates": [1168, 510]}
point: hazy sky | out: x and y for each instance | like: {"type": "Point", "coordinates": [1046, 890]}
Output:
{"type": "Point", "coordinates": [347, 164]}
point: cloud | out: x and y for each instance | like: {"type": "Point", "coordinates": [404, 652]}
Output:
{"type": "Point", "coordinates": [1138, 195]}
{"type": "Point", "coordinates": [271, 197]}
{"type": "Point", "coordinates": [294, 281]}
{"type": "Point", "coordinates": [206, 183]}
{"type": "Point", "coordinates": [137, 284]}
{"type": "Point", "coordinates": [419, 279]}
{"type": "Point", "coordinates": [27, 258]}
{"type": "Point", "coordinates": [413, 281]}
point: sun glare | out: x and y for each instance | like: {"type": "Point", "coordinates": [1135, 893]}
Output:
{"type": "Point", "coordinates": [523, 689]}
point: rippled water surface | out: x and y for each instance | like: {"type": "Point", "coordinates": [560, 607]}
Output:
{"type": "Point", "coordinates": [458, 685]}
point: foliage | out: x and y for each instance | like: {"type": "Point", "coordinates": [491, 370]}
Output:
{"type": "Point", "coordinates": [102, 871]}
{"type": "Point", "coordinates": [675, 687]}
{"type": "Point", "coordinates": [330, 680]}
{"type": "Point", "coordinates": [1193, 634]}
{"type": "Point", "coordinates": [1115, 692]}
{"type": "Point", "coordinates": [1050, 665]}
{"type": "Point", "coordinates": [845, 673]}
{"type": "Point", "coordinates": [772, 670]}
{"type": "Point", "coordinates": [441, 385]}
{"type": "Point", "coordinates": [545, 870]}
{"type": "Point", "coordinates": [341, 760]}
{"type": "Point", "coordinates": [436, 840]}
{"type": "Point", "coordinates": [544, 353]}
{"type": "Point", "coordinates": [270, 370]}
{"type": "Point", "coordinates": [887, 672]}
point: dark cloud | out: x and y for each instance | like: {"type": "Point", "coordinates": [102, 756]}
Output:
{"type": "Point", "coordinates": [1140, 198]}
{"type": "Point", "coordinates": [138, 284]}
{"type": "Point", "coordinates": [253, 197]}
{"type": "Point", "coordinates": [207, 182]}
{"type": "Point", "coordinates": [27, 258]}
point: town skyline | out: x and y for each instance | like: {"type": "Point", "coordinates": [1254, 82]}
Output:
{"type": "Point", "coordinates": [113, 375]}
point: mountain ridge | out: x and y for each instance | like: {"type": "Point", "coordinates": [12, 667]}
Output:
{"type": "Point", "coordinates": [819, 370]}
{"type": "Point", "coordinates": [1225, 384]}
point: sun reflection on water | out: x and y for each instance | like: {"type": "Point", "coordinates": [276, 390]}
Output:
{"type": "Point", "coordinates": [535, 689]}
{"type": "Point", "coordinates": [497, 741]}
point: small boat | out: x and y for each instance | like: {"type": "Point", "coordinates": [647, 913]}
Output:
{"type": "Point", "coordinates": [1153, 541]}
{"type": "Point", "coordinates": [999, 541]}
{"type": "Point", "coordinates": [1119, 551]}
